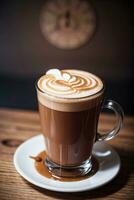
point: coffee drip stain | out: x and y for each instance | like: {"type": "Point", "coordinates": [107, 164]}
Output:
{"type": "Point", "coordinates": [36, 158]}
{"type": "Point", "coordinates": [42, 169]}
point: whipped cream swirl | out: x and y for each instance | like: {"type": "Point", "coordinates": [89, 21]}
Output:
{"type": "Point", "coordinates": [69, 83]}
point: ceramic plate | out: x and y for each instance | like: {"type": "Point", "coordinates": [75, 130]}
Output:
{"type": "Point", "coordinates": [109, 165]}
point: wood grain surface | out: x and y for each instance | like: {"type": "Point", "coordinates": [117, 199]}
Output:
{"type": "Point", "coordinates": [16, 126]}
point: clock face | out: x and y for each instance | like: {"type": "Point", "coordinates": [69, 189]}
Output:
{"type": "Point", "coordinates": [67, 24]}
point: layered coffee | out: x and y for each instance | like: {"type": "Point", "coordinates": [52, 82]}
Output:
{"type": "Point", "coordinates": [69, 106]}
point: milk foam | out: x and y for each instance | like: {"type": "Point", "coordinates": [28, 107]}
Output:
{"type": "Point", "coordinates": [70, 84]}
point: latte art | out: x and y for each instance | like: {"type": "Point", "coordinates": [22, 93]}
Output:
{"type": "Point", "coordinates": [69, 83]}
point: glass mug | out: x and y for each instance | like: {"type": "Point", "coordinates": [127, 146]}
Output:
{"type": "Point", "coordinates": [69, 127]}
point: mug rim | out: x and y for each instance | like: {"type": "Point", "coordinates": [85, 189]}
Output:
{"type": "Point", "coordinates": [70, 99]}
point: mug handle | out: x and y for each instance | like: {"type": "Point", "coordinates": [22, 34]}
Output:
{"type": "Point", "coordinates": [114, 106]}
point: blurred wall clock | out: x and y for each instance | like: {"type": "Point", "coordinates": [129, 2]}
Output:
{"type": "Point", "coordinates": [67, 24]}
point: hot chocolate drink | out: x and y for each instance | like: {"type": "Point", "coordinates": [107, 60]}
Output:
{"type": "Point", "coordinates": [69, 106]}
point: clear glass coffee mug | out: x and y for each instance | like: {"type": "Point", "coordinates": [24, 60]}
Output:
{"type": "Point", "coordinates": [70, 130]}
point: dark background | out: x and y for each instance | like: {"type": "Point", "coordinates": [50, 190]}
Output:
{"type": "Point", "coordinates": [25, 53]}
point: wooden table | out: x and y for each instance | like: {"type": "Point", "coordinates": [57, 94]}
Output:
{"type": "Point", "coordinates": [17, 126]}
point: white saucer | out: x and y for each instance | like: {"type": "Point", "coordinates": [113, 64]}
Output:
{"type": "Point", "coordinates": [109, 165]}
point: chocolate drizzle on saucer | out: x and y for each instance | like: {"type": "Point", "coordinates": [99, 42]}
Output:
{"type": "Point", "coordinates": [36, 158]}
{"type": "Point", "coordinates": [42, 169]}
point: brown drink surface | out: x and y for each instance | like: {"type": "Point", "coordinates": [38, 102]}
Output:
{"type": "Point", "coordinates": [69, 124]}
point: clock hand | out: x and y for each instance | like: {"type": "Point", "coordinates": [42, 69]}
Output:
{"type": "Point", "coordinates": [67, 18]}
